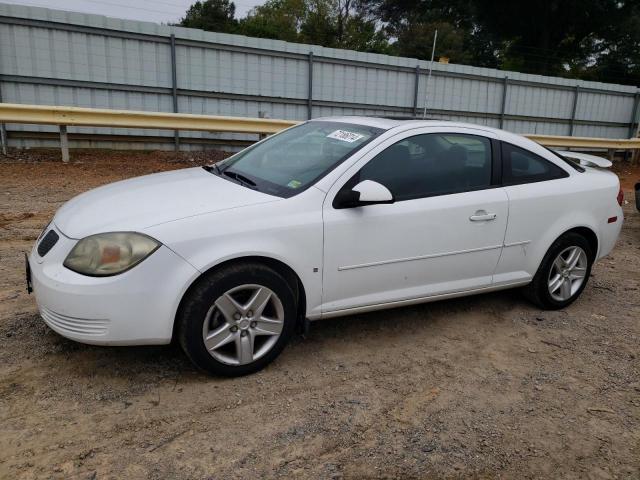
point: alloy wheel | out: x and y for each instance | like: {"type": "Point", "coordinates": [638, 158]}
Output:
{"type": "Point", "coordinates": [567, 273]}
{"type": "Point", "coordinates": [243, 324]}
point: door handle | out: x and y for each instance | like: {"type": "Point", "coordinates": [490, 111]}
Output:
{"type": "Point", "coordinates": [482, 216]}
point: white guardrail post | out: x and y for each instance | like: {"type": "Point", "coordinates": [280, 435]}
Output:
{"type": "Point", "coordinates": [64, 143]}
{"type": "Point", "coordinates": [3, 132]}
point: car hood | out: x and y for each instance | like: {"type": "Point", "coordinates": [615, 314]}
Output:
{"type": "Point", "coordinates": [139, 203]}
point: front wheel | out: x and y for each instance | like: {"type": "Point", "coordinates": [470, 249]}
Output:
{"type": "Point", "coordinates": [236, 320]}
{"type": "Point", "coordinates": [563, 273]}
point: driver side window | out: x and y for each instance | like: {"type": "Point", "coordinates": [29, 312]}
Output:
{"type": "Point", "coordinates": [432, 164]}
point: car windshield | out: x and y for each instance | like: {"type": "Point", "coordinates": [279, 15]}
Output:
{"type": "Point", "coordinates": [287, 163]}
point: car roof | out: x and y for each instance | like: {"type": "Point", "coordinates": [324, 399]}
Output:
{"type": "Point", "coordinates": [387, 123]}
{"type": "Point", "coordinates": [401, 124]}
{"type": "Point", "coordinates": [377, 122]}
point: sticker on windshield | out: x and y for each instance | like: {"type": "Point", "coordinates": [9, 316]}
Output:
{"type": "Point", "coordinates": [294, 184]}
{"type": "Point", "coordinates": [345, 136]}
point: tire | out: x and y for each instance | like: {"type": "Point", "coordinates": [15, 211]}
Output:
{"type": "Point", "coordinates": [219, 311]}
{"type": "Point", "coordinates": [539, 291]}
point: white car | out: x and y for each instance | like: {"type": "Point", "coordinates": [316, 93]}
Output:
{"type": "Point", "coordinates": [331, 217]}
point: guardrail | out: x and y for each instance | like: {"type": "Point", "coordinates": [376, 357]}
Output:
{"type": "Point", "coordinates": [97, 117]}
{"type": "Point", "coordinates": [76, 116]}
{"type": "Point", "coordinates": [586, 142]}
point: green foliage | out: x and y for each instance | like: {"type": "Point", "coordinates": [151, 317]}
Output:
{"type": "Point", "coordinates": [277, 19]}
{"type": "Point", "coordinates": [542, 37]}
{"type": "Point", "coordinates": [416, 40]}
{"type": "Point", "coordinates": [330, 23]}
{"type": "Point", "coordinates": [616, 54]}
{"type": "Point", "coordinates": [413, 24]}
{"type": "Point", "coordinates": [212, 15]}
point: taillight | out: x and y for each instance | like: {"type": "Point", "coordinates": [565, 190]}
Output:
{"type": "Point", "coordinates": [620, 197]}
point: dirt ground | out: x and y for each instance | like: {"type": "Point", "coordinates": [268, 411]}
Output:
{"type": "Point", "coordinates": [482, 387]}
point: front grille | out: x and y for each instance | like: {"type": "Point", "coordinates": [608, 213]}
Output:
{"type": "Point", "coordinates": [70, 325]}
{"type": "Point", "coordinates": [47, 243]}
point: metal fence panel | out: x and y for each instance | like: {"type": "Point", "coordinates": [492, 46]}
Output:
{"type": "Point", "coordinates": [603, 107]}
{"type": "Point", "coordinates": [540, 102]}
{"type": "Point", "coordinates": [366, 85]}
{"type": "Point", "coordinates": [212, 70]}
{"type": "Point", "coordinates": [52, 57]}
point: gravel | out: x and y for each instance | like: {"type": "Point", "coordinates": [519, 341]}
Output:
{"type": "Point", "coordinates": [480, 387]}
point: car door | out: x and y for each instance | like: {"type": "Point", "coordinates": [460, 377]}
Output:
{"type": "Point", "coordinates": [443, 233]}
{"type": "Point", "coordinates": [538, 206]}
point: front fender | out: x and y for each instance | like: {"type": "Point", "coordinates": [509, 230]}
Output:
{"type": "Point", "coordinates": [290, 232]}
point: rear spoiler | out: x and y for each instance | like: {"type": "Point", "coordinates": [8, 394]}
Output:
{"type": "Point", "coordinates": [585, 159]}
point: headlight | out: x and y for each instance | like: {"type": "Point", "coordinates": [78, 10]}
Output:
{"type": "Point", "coordinates": [109, 253]}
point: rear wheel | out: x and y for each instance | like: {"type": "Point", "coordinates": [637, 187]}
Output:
{"type": "Point", "coordinates": [236, 320]}
{"type": "Point", "coordinates": [563, 273]}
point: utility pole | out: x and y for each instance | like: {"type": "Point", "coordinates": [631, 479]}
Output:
{"type": "Point", "coordinates": [426, 93]}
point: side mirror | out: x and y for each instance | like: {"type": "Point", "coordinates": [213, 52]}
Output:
{"type": "Point", "coordinates": [366, 192]}
{"type": "Point", "coordinates": [373, 192]}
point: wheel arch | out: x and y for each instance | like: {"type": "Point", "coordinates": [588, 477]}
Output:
{"type": "Point", "coordinates": [589, 235]}
{"type": "Point", "coordinates": [288, 273]}
{"type": "Point", "coordinates": [538, 290]}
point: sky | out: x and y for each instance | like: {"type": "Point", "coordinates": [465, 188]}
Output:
{"type": "Point", "coordinates": [159, 11]}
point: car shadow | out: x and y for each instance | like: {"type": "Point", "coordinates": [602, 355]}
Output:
{"type": "Point", "coordinates": [151, 364]}
{"type": "Point", "coordinates": [418, 317]}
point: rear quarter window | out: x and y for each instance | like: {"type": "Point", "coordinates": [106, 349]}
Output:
{"type": "Point", "coordinates": [569, 161]}
{"type": "Point", "coordinates": [522, 166]}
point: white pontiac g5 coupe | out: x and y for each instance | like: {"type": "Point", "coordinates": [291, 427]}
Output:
{"type": "Point", "coordinates": [330, 217]}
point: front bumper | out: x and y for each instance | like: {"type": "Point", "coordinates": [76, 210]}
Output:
{"type": "Point", "coordinates": [137, 307]}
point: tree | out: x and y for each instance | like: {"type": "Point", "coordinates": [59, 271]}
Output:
{"type": "Point", "coordinates": [413, 23]}
{"type": "Point", "coordinates": [585, 38]}
{"type": "Point", "coordinates": [363, 35]}
{"type": "Point", "coordinates": [319, 26]}
{"type": "Point", "coordinates": [276, 19]}
{"type": "Point", "coordinates": [330, 23]}
{"type": "Point", "coordinates": [416, 40]}
{"type": "Point", "coordinates": [356, 29]}
{"type": "Point", "coordinates": [212, 15]}
{"type": "Point", "coordinates": [543, 37]}
{"type": "Point", "coordinates": [617, 57]}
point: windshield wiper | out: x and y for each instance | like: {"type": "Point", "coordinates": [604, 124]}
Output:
{"type": "Point", "coordinates": [238, 177]}
{"type": "Point", "coordinates": [246, 181]}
